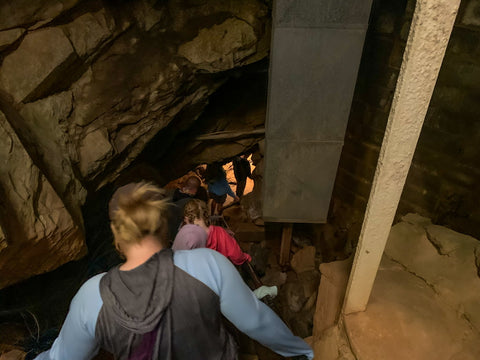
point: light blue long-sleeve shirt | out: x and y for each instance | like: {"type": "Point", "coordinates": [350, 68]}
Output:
{"type": "Point", "coordinates": [238, 304]}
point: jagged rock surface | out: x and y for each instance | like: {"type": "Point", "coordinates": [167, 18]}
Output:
{"type": "Point", "coordinates": [39, 229]}
{"type": "Point", "coordinates": [85, 86]}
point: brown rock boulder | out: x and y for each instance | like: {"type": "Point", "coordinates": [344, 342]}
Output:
{"type": "Point", "coordinates": [304, 260]}
{"type": "Point", "coordinates": [23, 12]}
{"type": "Point", "coordinates": [89, 32]}
{"type": "Point", "coordinates": [8, 37]}
{"type": "Point", "coordinates": [222, 46]}
{"type": "Point", "coordinates": [53, 56]}
{"type": "Point", "coordinates": [40, 232]}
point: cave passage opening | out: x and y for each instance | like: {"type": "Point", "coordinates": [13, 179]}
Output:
{"type": "Point", "coordinates": [236, 112]}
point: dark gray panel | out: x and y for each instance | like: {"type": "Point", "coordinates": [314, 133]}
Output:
{"type": "Point", "coordinates": [312, 78]}
{"type": "Point", "coordinates": [321, 13]}
{"type": "Point", "coordinates": [299, 178]}
{"type": "Point", "coordinates": [316, 51]}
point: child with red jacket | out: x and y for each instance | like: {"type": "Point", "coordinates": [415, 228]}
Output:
{"type": "Point", "coordinates": [196, 213]}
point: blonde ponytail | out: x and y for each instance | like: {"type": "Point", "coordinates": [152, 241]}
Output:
{"type": "Point", "coordinates": [138, 210]}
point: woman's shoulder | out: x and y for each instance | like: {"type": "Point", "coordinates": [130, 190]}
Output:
{"type": "Point", "coordinates": [196, 261]}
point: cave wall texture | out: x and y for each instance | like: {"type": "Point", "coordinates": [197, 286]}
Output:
{"type": "Point", "coordinates": [92, 91]}
{"type": "Point", "coordinates": [85, 85]}
{"type": "Point", "coordinates": [443, 181]}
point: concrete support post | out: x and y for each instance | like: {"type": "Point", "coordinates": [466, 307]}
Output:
{"type": "Point", "coordinates": [429, 34]}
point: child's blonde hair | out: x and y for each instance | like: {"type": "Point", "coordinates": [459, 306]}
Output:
{"type": "Point", "coordinates": [196, 209]}
{"type": "Point", "coordinates": [137, 210]}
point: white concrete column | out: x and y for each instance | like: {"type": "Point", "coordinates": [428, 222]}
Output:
{"type": "Point", "coordinates": [429, 34]}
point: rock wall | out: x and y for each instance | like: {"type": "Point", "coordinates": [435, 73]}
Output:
{"type": "Point", "coordinates": [36, 226]}
{"type": "Point", "coordinates": [85, 85]}
{"type": "Point", "coordinates": [443, 180]}
{"type": "Point", "coordinates": [237, 107]}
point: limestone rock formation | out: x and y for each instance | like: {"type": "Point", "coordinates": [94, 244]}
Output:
{"type": "Point", "coordinates": [86, 85]}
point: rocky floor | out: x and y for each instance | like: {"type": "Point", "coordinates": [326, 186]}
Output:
{"type": "Point", "coordinates": [425, 302]}
{"type": "Point", "coordinates": [297, 284]}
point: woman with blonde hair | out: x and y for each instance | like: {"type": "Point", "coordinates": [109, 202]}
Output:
{"type": "Point", "coordinates": [161, 304]}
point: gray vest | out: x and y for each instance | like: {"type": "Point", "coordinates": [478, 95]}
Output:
{"type": "Point", "coordinates": [182, 321]}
